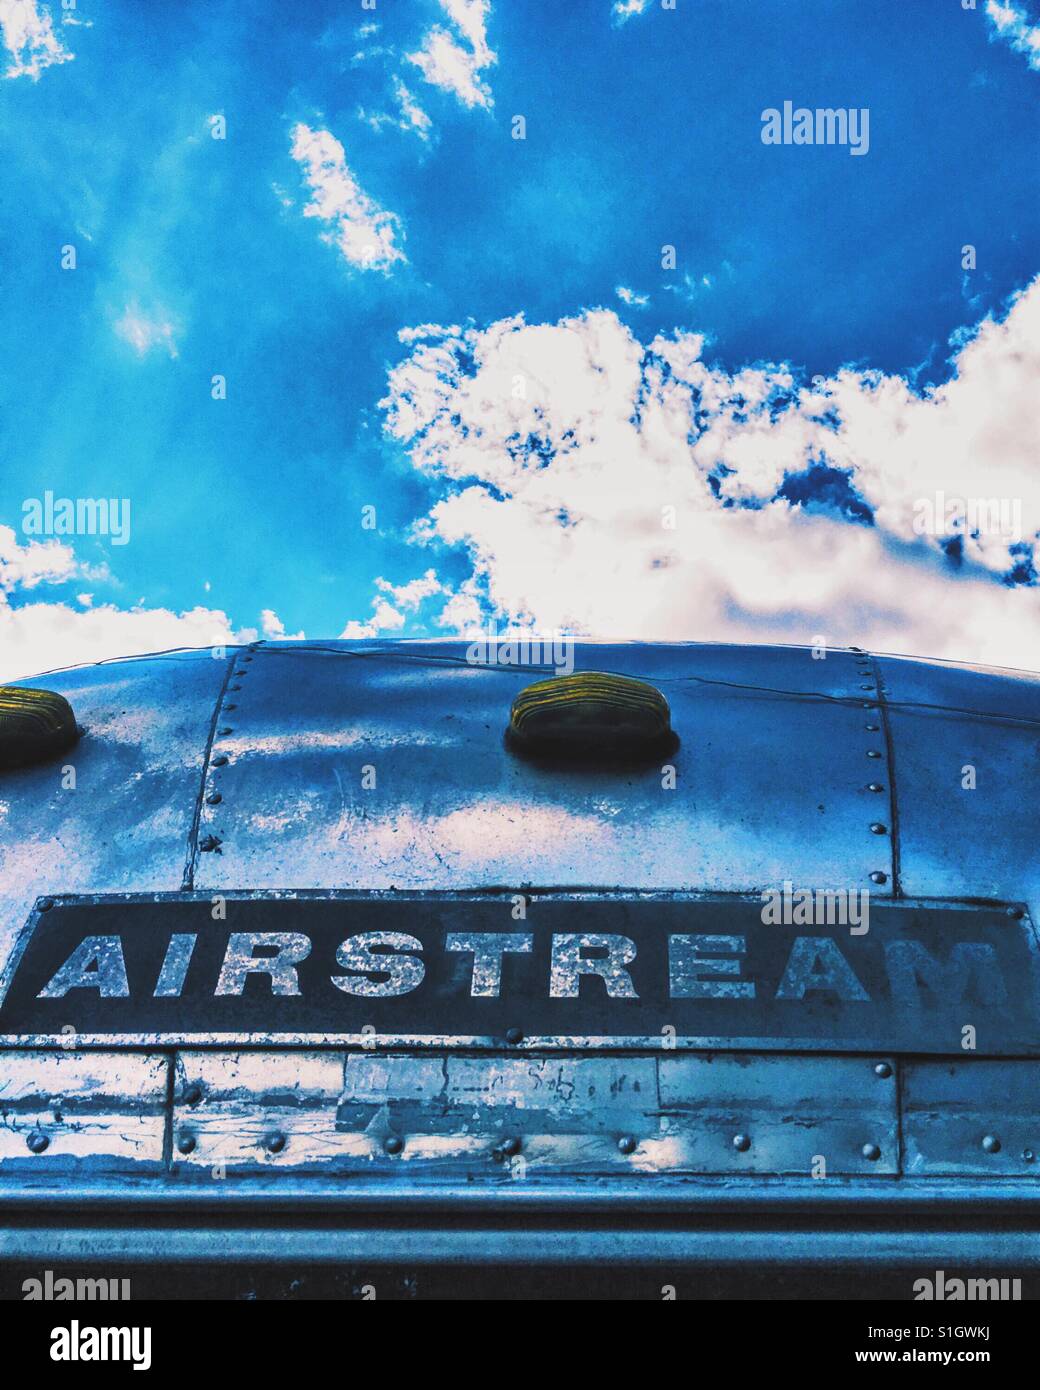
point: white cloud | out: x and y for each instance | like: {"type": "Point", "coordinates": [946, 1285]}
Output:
{"type": "Point", "coordinates": [145, 331]}
{"type": "Point", "coordinates": [1012, 23]}
{"type": "Point", "coordinates": [628, 296]}
{"type": "Point", "coordinates": [388, 616]}
{"type": "Point", "coordinates": [36, 562]}
{"type": "Point", "coordinates": [273, 627]}
{"type": "Point", "coordinates": [559, 496]}
{"type": "Point", "coordinates": [29, 37]}
{"type": "Point", "coordinates": [410, 117]}
{"type": "Point", "coordinates": [43, 636]}
{"type": "Point", "coordinates": [454, 65]}
{"type": "Point", "coordinates": [363, 231]}
{"type": "Point", "coordinates": [625, 9]}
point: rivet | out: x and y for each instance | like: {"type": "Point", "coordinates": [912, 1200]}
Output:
{"type": "Point", "coordinates": [230, 705]}
{"type": "Point", "coordinates": [626, 1144]}
{"type": "Point", "coordinates": [208, 843]}
{"type": "Point", "coordinates": [741, 1143]}
{"type": "Point", "coordinates": [46, 904]}
{"type": "Point", "coordinates": [873, 753]}
{"type": "Point", "coordinates": [514, 1035]}
{"type": "Point", "coordinates": [1016, 913]}
{"type": "Point", "coordinates": [871, 1152]}
{"type": "Point", "coordinates": [185, 1141]}
{"type": "Point", "coordinates": [872, 728]}
{"type": "Point", "coordinates": [510, 1146]}
{"type": "Point", "coordinates": [225, 730]}
{"type": "Point", "coordinates": [875, 787]}
{"type": "Point", "coordinates": [192, 1095]}
{"type": "Point", "coordinates": [393, 1144]}
{"type": "Point", "coordinates": [991, 1144]}
{"type": "Point", "coordinates": [37, 1142]}
{"type": "Point", "coordinates": [876, 828]}
{"type": "Point", "coordinates": [878, 876]}
{"type": "Point", "coordinates": [866, 687]}
{"type": "Point", "coordinates": [882, 1069]}
{"type": "Point", "coordinates": [1028, 1155]}
{"type": "Point", "coordinates": [232, 687]}
{"type": "Point", "coordinates": [274, 1141]}
{"type": "Point", "coordinates": [247, 658]}
{"type": "Point", "coordinates": [220, 760]}
{"type": "Point", "coordinates": [214, 799]}
{"type": "Point", "coordinates": [855, 649]}
{"type": "Point", "coordinates": [869, 704]}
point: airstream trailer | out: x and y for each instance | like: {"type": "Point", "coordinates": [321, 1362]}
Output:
{"type": "Point", "coordinates": [353, 959]}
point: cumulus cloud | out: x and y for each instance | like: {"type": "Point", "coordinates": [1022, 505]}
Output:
{"type": "Point", "coordinates": [38, 634]}
{"type": "Point", "coordinates": [36, 562]}
{"type": "Point", "coordinates": [454, 58]}
{"type": "Point", "coordinates": [365, 234]}
{"type": "Point", "coordinates": [42, 636]}
{"type": "Point", "coordinates": [28, 35]}
{"type": "Point", "coordinates": [620, 489]}
{"type": "Point", "coordinates": [1012, 23]}
{"type": "Point", "coordinates": [273, 627]}
{"type": "Point", "coordinates": [390, 600]}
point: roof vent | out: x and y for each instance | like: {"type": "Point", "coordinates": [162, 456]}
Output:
{"type": "Point", "coordinates": [34, 725]}
{"type": "Point", "coordinates": [591, 713]}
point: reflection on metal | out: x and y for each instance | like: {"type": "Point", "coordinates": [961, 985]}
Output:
{"type": "Point", "coordinates": [972, 1118]}
{"type": "Point", "coordinates": [382, 767]}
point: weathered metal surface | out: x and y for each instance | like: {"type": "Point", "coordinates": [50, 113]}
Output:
{"type": "Point", "coordinates": [69, 1111]}
{"type": "Point", "coordinates": [382, 766]}
{"type": "Point", "coordinates": [972, 1118]}
{"type": "Point", "coordinates": [575, 970]}
{"type": "Point", "coordinates": [967, 776]}
{"type": "Point", "coordinates": [768, 785]}
{"type": "Point", "coordinates": [889, 1247]}
{"type": "Point", "coordinates": [811, 1115]}
{"type": "Point", "coordinates": [507, 1118]}
{"type": "Point", "coordinates": [126, 823]}
{"type": "Point", "coordinates": [256, 1110]}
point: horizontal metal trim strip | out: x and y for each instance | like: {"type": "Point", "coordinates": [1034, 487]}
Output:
{"type": "Point", "coordinates": [427, 1042]}
{"type": "Point", "coordinates": [287, 1193]}
{"type": "Point", "coordinates": [877, 1248]}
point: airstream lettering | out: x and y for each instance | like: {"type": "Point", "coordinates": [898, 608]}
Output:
{"type": "Point", "coordinates": [387, 964]}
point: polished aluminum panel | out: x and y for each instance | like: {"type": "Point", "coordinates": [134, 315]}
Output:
{"type": "Point", "coordinates": [127, 822]}
{"type": "Point", "coordinates": [385, 766]}
{"type": "Point", "coordinates": [967, 776]}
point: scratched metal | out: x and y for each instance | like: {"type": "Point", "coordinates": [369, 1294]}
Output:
{"type": "Point", "coordinates": [87, 1112]}
{"type": "Point", "coordinates": [768, 785]}
{"type": "Point", "coordinates": [974, 1117]}
{"type": "Point", "coordinates": [138, 767]}
{"type": "Point", "coordinates": [505, 1118]}
{"type": "Point", "coordinates": [966, 842]}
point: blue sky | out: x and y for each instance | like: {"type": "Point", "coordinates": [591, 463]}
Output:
{"type": "Point", "coordinates": [197, 256]}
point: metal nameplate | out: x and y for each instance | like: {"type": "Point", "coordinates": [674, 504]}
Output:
{"type": "Point", "coordinates": [505, 970]}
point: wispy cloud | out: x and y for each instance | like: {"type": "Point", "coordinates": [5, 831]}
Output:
{"type": "Point", "coordinates": [365, 234]}
{"type": "Point", "coordinates": [1011, 23]}
{"type": "Point", "coordinates": [624, 10]}
{"type": "Point", "coordinates": [410, 115]}
{"type": "Point", "coordinates": [630, 297]}
{"type": "Point", "coordinates": [28, 34]}
{"type": "Point", "coordinates": [146, 331]}
{"type": "Point", "coordinates": [455, 60]}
